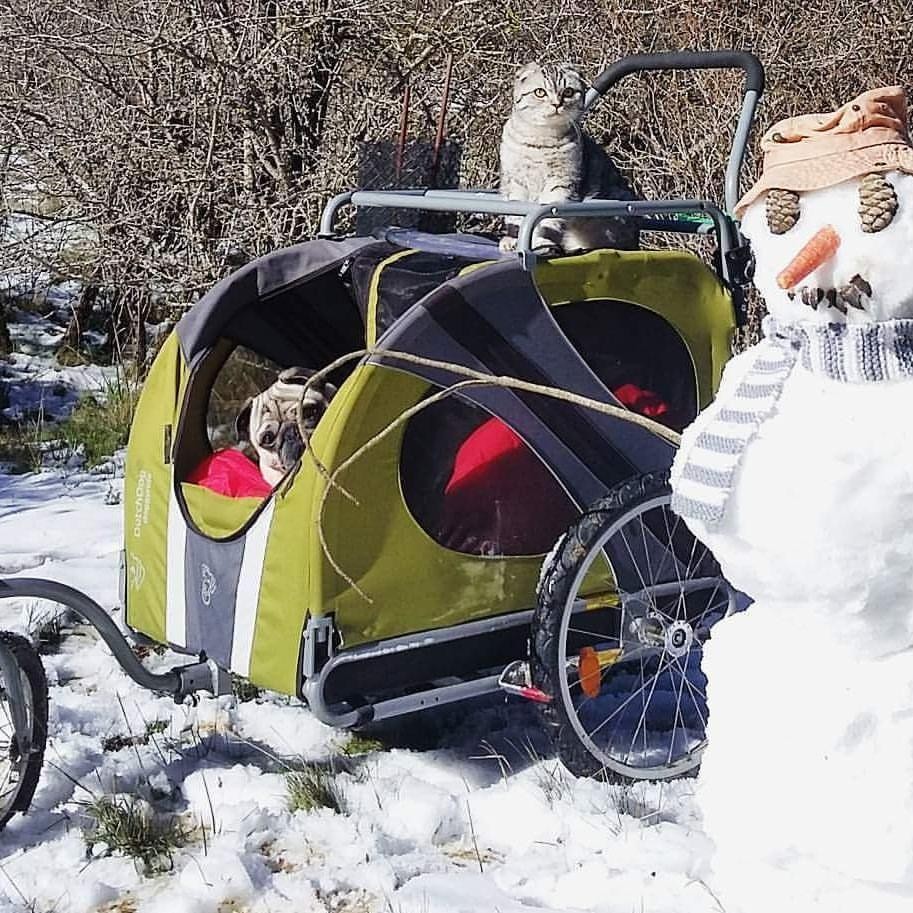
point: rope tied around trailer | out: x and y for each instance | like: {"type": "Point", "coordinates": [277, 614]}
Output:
{"type": "Point", "coordinates": [472, 378]}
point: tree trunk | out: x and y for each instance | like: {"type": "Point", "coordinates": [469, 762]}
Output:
{"type": "Point", "coordinates": [72, 338]}
{"type": "Point", "coordinates": [5, 344]}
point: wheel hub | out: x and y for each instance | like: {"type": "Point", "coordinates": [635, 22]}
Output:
{"type": "Point", "coordinates": [678, 638]}
{"type": "Point", "coordinates": [675, 637]}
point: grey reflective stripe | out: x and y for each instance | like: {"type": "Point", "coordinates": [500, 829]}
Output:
{"type": "Point", "coordinates": [251, 576]}
{"type": "Point", "coordinates": [213, 589]}
{"type": "Point", "coordinates": [211, 573]}
{"type": "Point", "coordinates": [711, 514]}
{"type": "Point", "coordinates": [175, 548]}
{"type": "Point", "coordinates": [714, 478]}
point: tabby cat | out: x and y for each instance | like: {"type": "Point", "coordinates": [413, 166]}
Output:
{"type": "Point", "coordinates": [546, 156]}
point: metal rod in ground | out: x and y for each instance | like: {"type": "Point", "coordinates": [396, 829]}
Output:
{"type": "Point", "coordinates": [441, 124]}
{"type": "Point", "coordinates": [403, 131]}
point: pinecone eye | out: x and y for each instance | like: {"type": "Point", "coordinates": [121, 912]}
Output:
{"type": "Point", "coordinates": [782, 208]}
{"type": "Point", "coordinates": [877, 202]}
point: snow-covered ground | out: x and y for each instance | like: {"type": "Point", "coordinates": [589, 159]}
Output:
{"type": "Point", "coordinates": [34, 387]}
{"type": "Point", "coordinates": [454, 811]}
{"type": "Point", "coordinates": [457, 812]}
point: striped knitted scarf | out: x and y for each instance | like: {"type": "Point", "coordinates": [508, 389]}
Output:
{"type": "Point", "coordinates": [853, 353]}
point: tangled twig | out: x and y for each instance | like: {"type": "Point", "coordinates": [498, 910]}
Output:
{"type": "Point", "coordinates": [473, 378]}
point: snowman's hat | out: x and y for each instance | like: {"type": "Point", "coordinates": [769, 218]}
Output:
{"type": "Point", "coordinates": [812, 151]}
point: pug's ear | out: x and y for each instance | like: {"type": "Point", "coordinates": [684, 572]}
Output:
{"type": "Point", "coordinates": [295, 375]}
{"type": "Point", "coordinates": [329, 391]}
{"type": "Point", "coordinates": [242, 422]}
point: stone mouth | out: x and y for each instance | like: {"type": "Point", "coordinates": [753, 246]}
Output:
{"type": "Point", "coordinates": [855, 294]}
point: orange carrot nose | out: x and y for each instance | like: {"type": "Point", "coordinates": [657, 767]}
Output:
{"type": "Point", "coordinates": [819, 248]}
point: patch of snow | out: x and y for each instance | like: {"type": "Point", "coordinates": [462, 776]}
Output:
{"type": "Point", "coordinates": [37, 388]}
{"type": "Point", "coordinates": [417, 825]}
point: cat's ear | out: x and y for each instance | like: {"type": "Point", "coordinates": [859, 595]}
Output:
{"type": "Point", "coordinates": [525, 75]}
{"type": "Point", "coordinates": [573, 74]}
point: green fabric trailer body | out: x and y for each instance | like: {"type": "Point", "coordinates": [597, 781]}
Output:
{"type": "Point", "coordinates": [237, 578]}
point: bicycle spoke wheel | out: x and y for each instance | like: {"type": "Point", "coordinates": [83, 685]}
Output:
{"type": "Point", "coordinates": [626, 603]}
{"type": "Point", "coordinates": [21, 755]}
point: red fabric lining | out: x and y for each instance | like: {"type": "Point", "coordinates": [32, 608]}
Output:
{"type": "Point", "coordinates": [501, 499]}
{"type": "Point", "coordinates": [493, 441]}
{"type": "Point", "coordinates": [231, 473]}
{"type": "Point", "coordinates": [644, 402]}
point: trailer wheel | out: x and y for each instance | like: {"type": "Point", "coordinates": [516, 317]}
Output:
{"type": "Point", "coordinates": [21, 753]}
{"type": "Point", "coordinates": [621, 663]}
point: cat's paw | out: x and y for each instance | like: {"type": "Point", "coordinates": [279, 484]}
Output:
{"type": "Point", "coordinates": [507, 244]}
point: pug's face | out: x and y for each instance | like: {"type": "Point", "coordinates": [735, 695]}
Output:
{"type": "Point", "coordinates": [279, 421]}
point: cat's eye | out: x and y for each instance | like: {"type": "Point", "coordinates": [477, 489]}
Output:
{"type": "Point", "coordinates": [569, 93]}
{"type": "Point", "coordinates": [539, 93]}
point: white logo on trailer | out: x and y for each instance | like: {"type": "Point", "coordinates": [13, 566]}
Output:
{"type": "Point", "coordinates": [142, 500]}
{"type": "Point", "coordinates": [207, 585]}
{"type": "Point", "coordinates": [137, 572]}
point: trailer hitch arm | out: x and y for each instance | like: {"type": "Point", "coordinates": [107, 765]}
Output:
{"type": "Point", "coordinates": [180, 681]}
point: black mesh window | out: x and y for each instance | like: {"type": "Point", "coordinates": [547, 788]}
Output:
{"type": "Point", "coordinates": [637, 354]}
{"type": "Point", "coordinates": [475, 487]}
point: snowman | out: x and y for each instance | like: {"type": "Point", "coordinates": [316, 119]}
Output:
{"type": "Point", "coordinates": [800, 479]}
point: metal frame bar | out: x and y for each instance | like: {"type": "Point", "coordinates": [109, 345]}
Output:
{"type": "Point", "coordinates": [732, 193]}
{"type": "Point", "coordinates": [346, 717]}
{"type": "Point", "coordinates": [697, 60]}
{"type": "Point", "coordinates": [692, 585]}
{"type": "Point", "coordinates": [13, 683]}
{"type": "Point", "coordinates": [488, 202]}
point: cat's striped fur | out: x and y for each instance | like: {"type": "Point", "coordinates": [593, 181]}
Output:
{"type": "Point", "coordinates": [546, 156]}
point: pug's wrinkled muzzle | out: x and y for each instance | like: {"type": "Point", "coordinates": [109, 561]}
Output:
{"type": "Point", "coordinates": [289, 444]}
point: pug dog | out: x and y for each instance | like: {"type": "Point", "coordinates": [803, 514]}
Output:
{"type": "Point", "coordinates": [278, 422]}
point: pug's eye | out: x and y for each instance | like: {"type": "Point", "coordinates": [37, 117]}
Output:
{"type": "Point", "coordinates": [539, 93]}
{"type": "Point", "coordinates": [268, 434]}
